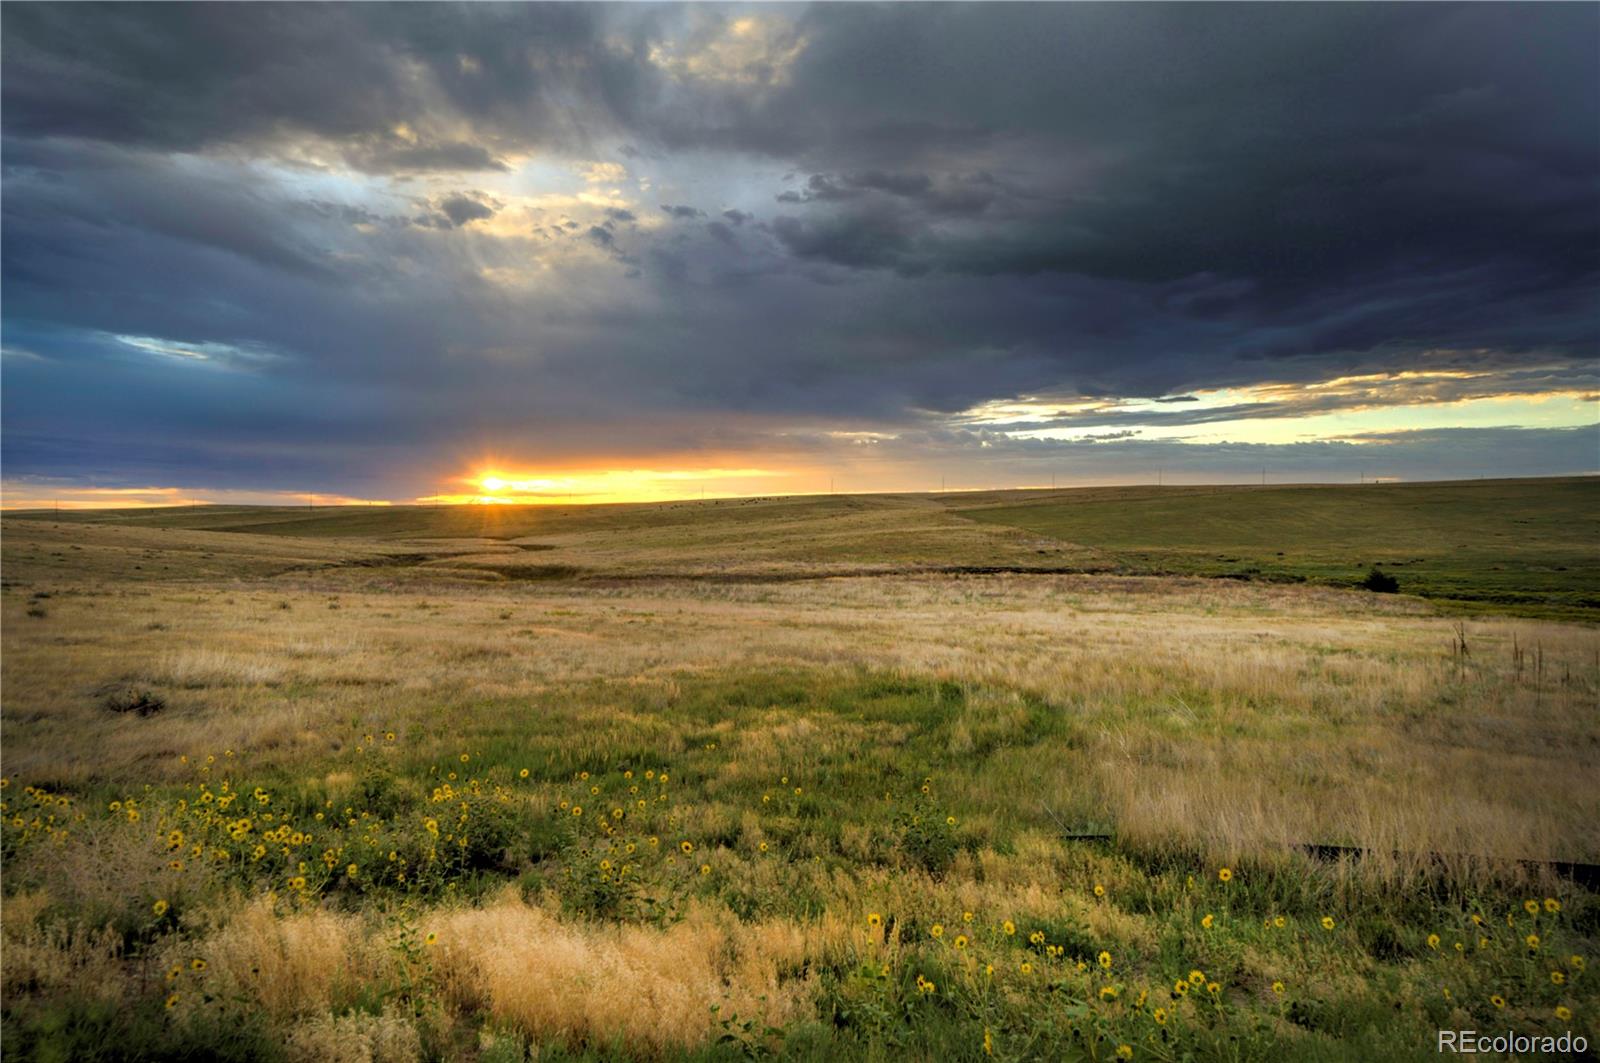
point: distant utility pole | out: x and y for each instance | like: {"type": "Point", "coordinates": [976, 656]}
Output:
{"type": "Point", "coordinates": [941, 483]}
{"type": "Point", "coordinates": [1263, 477]}
{"type": "Point", "coordinates": [1158, 477]}
{"type": "Point", "coordinates": [1052, 481]}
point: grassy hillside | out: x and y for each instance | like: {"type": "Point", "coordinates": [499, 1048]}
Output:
{"type": "Point", "coordinates": [1532, 546]}
{"type": "Point", "coordinates": [1526, 547]}
{"type": "Point", "coordinates": [507, 785]}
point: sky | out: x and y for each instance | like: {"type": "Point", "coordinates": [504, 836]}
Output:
{"type": "Point", "coordinates": [574, 253]}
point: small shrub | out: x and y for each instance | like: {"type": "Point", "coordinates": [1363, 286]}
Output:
{"type": "Point", "coordinates": [1380, 582]}
{"type": "Point", "coordinates": [927, 839]}
{"type": "Point", "coordinates": [142, 702]}
{"type": "Point", "coordinates": [37, 612]}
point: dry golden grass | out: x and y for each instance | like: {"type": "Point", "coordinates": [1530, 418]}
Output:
{"type": "Point", "coordinates": [1243, 715]}
{"type": "Point", "coordinates": [1211, 719]}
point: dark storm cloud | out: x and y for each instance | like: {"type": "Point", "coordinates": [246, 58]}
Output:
{"type": "Point", "coordinates": [988, 201]}
{"type": "Point", "coordinates": [461, 208]}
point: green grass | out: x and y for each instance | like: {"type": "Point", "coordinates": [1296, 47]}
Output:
{"type": "Point", "coordinates": [1078, 756]}
{"type": "Point", "coordinates": [1522, 546]}
{"type": "Point", "coordinates": [868, 812]}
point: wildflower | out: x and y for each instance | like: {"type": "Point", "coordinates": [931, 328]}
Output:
{"type": "Point", "coordinates": [1477, 920]}
{"type": "Point", "coordinates": [1026, 968]}
{"type": "Point", "coordinates": [1575, 962]}
{"type": "Point", "coordinates": [160, 908]}
{"type": "Point", "coordinates": [298, 882]}
{"type": "Point", "coordinates": [988, 969]}
{"type": "Point", "coordinates": [1197, 977]}
{"type": "Point", "coordinates": [197, 964]}
{"type": "Point", "coordinates": [1327, 922]}
{"type": "Point", "coordinates": [1224, 875]}
{"type": "Point", "coordinates": [1213, 988]}
{"type": "Point", "coordinates": [1498, 1001]}
{"type": "Point", "coordinates": [966, 917]}
{"type": "Point", "coordinates": [176, 970]}
{"type": "Point", "coordinates": [949, 821]}
{"type": "Point", "coordinates": [1105, 960]}
{"type": "Point", "coordinates": [1179, 988]}
{"type": "Point", "coordinates": [686, 846]}
{"type": "Point", "coordinates": [1208, 920]}
{"type": "Point", "coordinates": [172, 1001]}
{"type": "Point", "coordinates": [1037, 937]}
{"type": "Point", "coordinates": [432, 938]}
{"type": "Point", "coordinates": [1108, 993]}
{"type": "Point", "coordinates": [175, 839]}
{"type": "Point", "coordinates": [1531, 906]}
{"type": "Point", "coordinates": [1433, 941]}
{"type": "Point", "coordinates": [988, 1042]}
{"type": "Point", "coordinates": [1279, 921]}
{"type": "Point", "coordinates": [523, 774]}
{"type": "Point", "coordinates": [1563, 1013]}
{"type": "Point", "coordinates": [1160, 1015]}
{"type": "Point", "coordinates": [1009, 927]}
{"type": "Point", "coordinates": [350, 870]}
{"type": "Point", "coordinates": [388, 736]}
{"type": "Point", "coordinates": [1552, 905]}
{"type": "Point", "coordinates": [874, 920]}
{"type": "Point", "coordinates": [705, 869]}
{"type": "Point", "coordinates": [577, 810]}
{"type": "Point", "coordinates": [1099, 890]}
{"type": "Point", "coordinates": [1277, 987]}
{"type": "Point", "coordinates": [762, 847]}
{"type": "Point", "coordinates": [1124, 1051]}
{"type": "Point", "coordinates": [961, 941]}
{"type": "Point", "coordinates": [937, 930]}
{"type": "Point", "coordinates": [1558, 977]}
{"type": "Point", "coordinates": [1532, 941]}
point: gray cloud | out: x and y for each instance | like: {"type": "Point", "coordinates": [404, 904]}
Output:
{"type": "Point", "coordinates": [988, 201]}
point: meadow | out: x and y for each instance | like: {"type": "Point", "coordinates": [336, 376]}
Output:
{"type": "Point", "coordinates": [1100, 774]}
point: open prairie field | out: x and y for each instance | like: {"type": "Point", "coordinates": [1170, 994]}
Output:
{"type": "Point", "coordinates": [1009, 776]}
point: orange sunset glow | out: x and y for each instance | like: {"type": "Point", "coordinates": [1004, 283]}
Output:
{"type": "Point", "coordinates": [499, 486]}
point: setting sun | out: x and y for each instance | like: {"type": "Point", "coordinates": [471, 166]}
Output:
{"type": "Point", "coordinates": [498, 486]}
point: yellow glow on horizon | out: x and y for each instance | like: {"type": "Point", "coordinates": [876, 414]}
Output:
{"type": "Point", "coordinates": [498, 486]}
